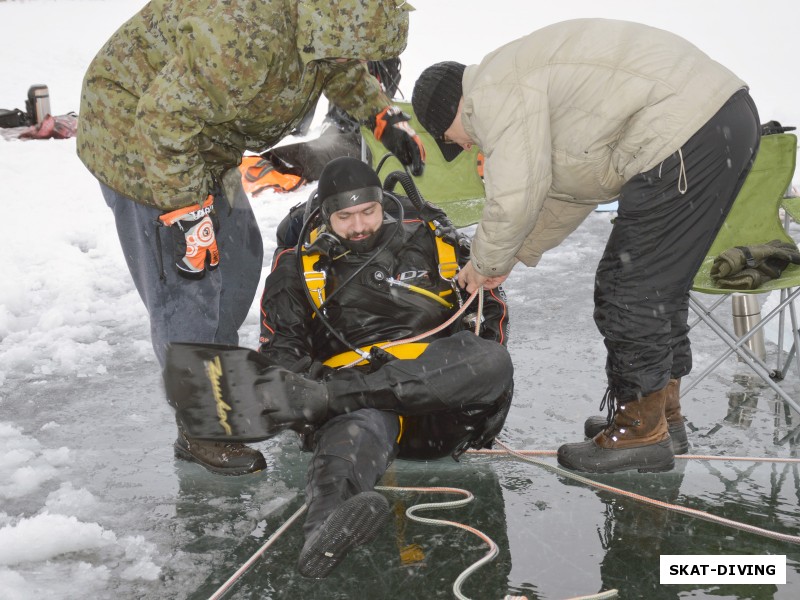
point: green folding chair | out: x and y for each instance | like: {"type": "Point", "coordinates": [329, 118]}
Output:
{"type": "Point", "coordinates": [456, 187]}
{"type": "Point", "coordinates": [791, 206]}
{"type": "Point", "coordinates": [754, 219]}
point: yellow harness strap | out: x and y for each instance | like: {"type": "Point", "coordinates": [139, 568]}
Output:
{"type": "Point", "coordinates": [402, 351]}
{"type": "Point", "coordinates": [315, 280]}
{"type": "Point", "coordinates": [448, 265]}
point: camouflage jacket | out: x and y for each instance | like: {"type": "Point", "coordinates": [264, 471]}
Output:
{"type": "Point", "coordinates": [183, 88]}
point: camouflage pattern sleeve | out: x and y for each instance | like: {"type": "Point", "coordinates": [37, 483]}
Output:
{"type": "Point", "coordinates": [201, 85]}
{"type": "Point", "coordinates": [184, 87]}
{"type": "Point", "coordinates": [357, 92]}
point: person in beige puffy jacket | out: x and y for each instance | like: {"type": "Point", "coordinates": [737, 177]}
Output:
{"type": "Point", "coordinates": [577, 114]}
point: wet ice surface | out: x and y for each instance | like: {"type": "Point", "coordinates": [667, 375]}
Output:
{"type": "Point", "coordinates": [132, 522]}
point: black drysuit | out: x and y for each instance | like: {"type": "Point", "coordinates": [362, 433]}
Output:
{"type": "Point", "coordinates": [456, 394]}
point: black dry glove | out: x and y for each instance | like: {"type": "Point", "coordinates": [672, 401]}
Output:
{"type": "Point", "coordinates": [195, 244]}
{"type": "Point", "coordinates": [311, 368]}
{"type": "Point", "coordinates": [394, 132]}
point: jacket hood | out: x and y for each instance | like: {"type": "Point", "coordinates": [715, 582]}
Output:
{"type": "Point", "coordinates": [358, 29]}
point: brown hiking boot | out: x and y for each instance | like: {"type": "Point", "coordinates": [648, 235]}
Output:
{"type": "Point", "coordinates": [219, 457]}
{"type": "Point", "coordinates": [637, 438]}
{"type": "Point", "coordinates": [672, 411]}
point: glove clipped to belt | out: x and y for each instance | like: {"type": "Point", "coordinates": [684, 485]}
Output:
{"type": "Point", "coordinates": [193, 234]}
{"type": "Point", "coordinates": [750, 267]}
{"type": "Point", "coordinates": [393, 131]}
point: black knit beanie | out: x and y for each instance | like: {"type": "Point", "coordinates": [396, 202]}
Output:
{"type": "Point", "coordinates": [346, 182]}
{"type": "Point", "coordinates": [435, 100]}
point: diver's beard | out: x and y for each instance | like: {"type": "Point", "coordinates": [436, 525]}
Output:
{"type": "Point", "coordinates": [388, 227]}
{"type": "Point", "coordinates": [363, 245]}
{"type": "Point", "coordinates": [363, 234]}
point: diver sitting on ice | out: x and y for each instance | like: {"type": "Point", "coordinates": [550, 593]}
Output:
{"type": "Point", "coordinates": [358, 279]}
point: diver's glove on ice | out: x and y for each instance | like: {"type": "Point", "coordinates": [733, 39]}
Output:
{"type": "Point", "coordinates": [193, 234]}
{"type": "Point", "coordinates": [393, 131]}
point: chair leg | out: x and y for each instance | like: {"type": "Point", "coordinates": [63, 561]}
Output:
{"type": "Point", "coordinates": [706, 309]}
{"type": "Point", "coordinates": [737, 346]}
{"type": "Point", "coordinates": [787, 301]}
{"type": "Point", "coordinates": [783, 367]}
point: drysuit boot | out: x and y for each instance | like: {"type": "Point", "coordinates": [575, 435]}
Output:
{"type": "Point", "coordinates": [672, 411]}
{"type": "Point", "coordinates": [351, 454]}
{"type": "Point", "coordinates": [219, 457]}
{"type": "Point", "coordinates": [637, 438]}
{"type": "Point", "coordinates": [355, 522]}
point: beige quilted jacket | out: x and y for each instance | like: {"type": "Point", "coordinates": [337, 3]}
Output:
{"type": "Point", "coordinates": [566, 115]}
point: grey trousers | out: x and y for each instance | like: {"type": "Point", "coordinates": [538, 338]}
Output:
{"type": "Point", "coordinates": [209, 310]}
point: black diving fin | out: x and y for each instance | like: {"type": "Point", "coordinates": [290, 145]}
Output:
{"type": "Point", "coordinates": [214, 391]}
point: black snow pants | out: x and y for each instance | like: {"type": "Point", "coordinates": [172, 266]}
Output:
{"type": "Point", "coordinates": [668, 218]}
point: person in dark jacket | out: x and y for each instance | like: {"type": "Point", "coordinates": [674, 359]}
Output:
{"type": "Point", "coordinates": [168, 107]}
{"type": "Point", "coordinates": [386, 279]}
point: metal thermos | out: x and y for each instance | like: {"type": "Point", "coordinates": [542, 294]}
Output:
{"type": "Point", "coordinates": [38, 103]}
{"type": "Point", "coordinates": [746, 315]}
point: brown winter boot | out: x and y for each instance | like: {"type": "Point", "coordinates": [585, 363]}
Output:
{"type": "Point", "coordinates": [636, 439]}
{"type": "Point", "coordinates": [672, 409]}
{"type": "Point", "coordinates": [219, 457]}
{"type": "Point", "coordinates": [675, 423]}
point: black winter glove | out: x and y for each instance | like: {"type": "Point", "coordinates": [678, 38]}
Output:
{"type": "Point", "coordinates": [394, 132]}
{"type": "Point", "coordinates": [195, 244]}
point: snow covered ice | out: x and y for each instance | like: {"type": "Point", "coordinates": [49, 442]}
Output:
{"type": "Point", "coordinates": [92, 503]}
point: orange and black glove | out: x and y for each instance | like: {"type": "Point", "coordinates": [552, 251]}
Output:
{"type": "Point", "coordinates": [195, 244]}
{"type": "Point", "coordinates": [394, 132]}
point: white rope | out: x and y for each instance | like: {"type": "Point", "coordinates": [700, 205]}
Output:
{"type": "Point", "coordinates": [479, 316]}
{"type": "Point", "coordinates": [410, 513]}
{"type": "Point", "coordinates": [493, 549]}
{"type": "Point", "coordinates": [783, 537]}
{"type": "Point", "coordinates": [769, 459]}
{"type": "Point", "coordinates": [488, 557]}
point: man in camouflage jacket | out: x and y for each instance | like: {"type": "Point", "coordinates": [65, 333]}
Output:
{"type": "Point", "coordinates": [168, 107]}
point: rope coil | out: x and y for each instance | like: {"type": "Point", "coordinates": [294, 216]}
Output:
{"type": "Point", "coordinates": [410, 513]}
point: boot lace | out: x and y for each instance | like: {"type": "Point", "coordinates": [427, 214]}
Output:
{"type": "Point", "coordinates": [609, 403]}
